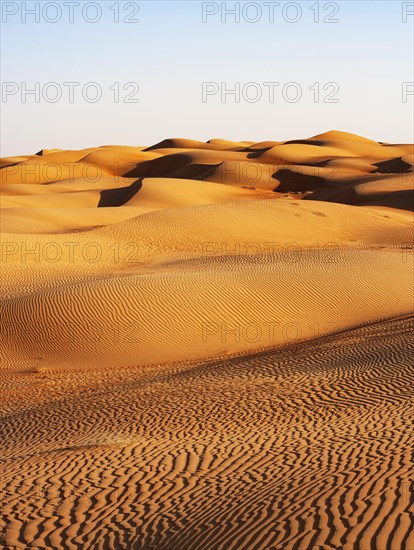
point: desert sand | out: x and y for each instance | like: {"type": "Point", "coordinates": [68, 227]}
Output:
{"type": "Point", "coordinates": [208, 346]}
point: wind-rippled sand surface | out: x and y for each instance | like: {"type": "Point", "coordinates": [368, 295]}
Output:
{"type": "Point", "coordinates": [306, 447]}
{"type": "Point", "coordinates": [208, 346]}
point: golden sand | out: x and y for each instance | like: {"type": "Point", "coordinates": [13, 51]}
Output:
{"type": "Point", "coordinates": [207, 345]}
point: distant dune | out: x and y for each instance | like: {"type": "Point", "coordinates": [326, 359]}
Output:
{"type": "Point", "coordinates": [334, 167]}
{"type": "Point", "coordinates": [126, 269]}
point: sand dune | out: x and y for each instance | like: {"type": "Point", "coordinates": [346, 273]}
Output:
{"type": "Point", "coordinates": [329, 166]}
{"type": "Point", "coordinates": [308, 447]}
{"type": "Point", "coordinates": [198, 345]}
{"type": "Point", "coordinates": [112, 292]}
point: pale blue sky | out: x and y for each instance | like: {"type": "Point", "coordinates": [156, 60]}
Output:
{"type": "Point", "coordinates": [170, 52]}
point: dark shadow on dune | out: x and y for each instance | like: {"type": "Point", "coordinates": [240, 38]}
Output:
{"type": "Point", "coordinates": [195, 171]}
{"type": "Point", "coordinates": [253, 154]}
{"type": "Point", "coordinates": [259, 152]}
{"type": "Point", "coordinates": [164, 144]}
{"type": "Point", "coordinates": [172, 166]}
{"type": "Point", "coordinates": [159, 167]}
{"type": "Point", "coordinates": [320, 164]}
{"type": "Point", "coordinates": [316, 142]}
{"type": "Point", "coordinates": [290, 180]}
{"type": "Point", "coordinates": [226, 149]}
{"type": "Point", "coordinates": [392, 166]}
{"type": "Point", "coordinates": [316, 164]}
{"type": "Point", "coordinates": [402, 199]}
{"type": "Point", "coordinates": [9, 165]}
{"type": "Point", "coordinates": [118, 197]}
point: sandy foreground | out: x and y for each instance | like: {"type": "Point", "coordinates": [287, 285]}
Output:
{"type": "Point", "coordinates": [208, 346]}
